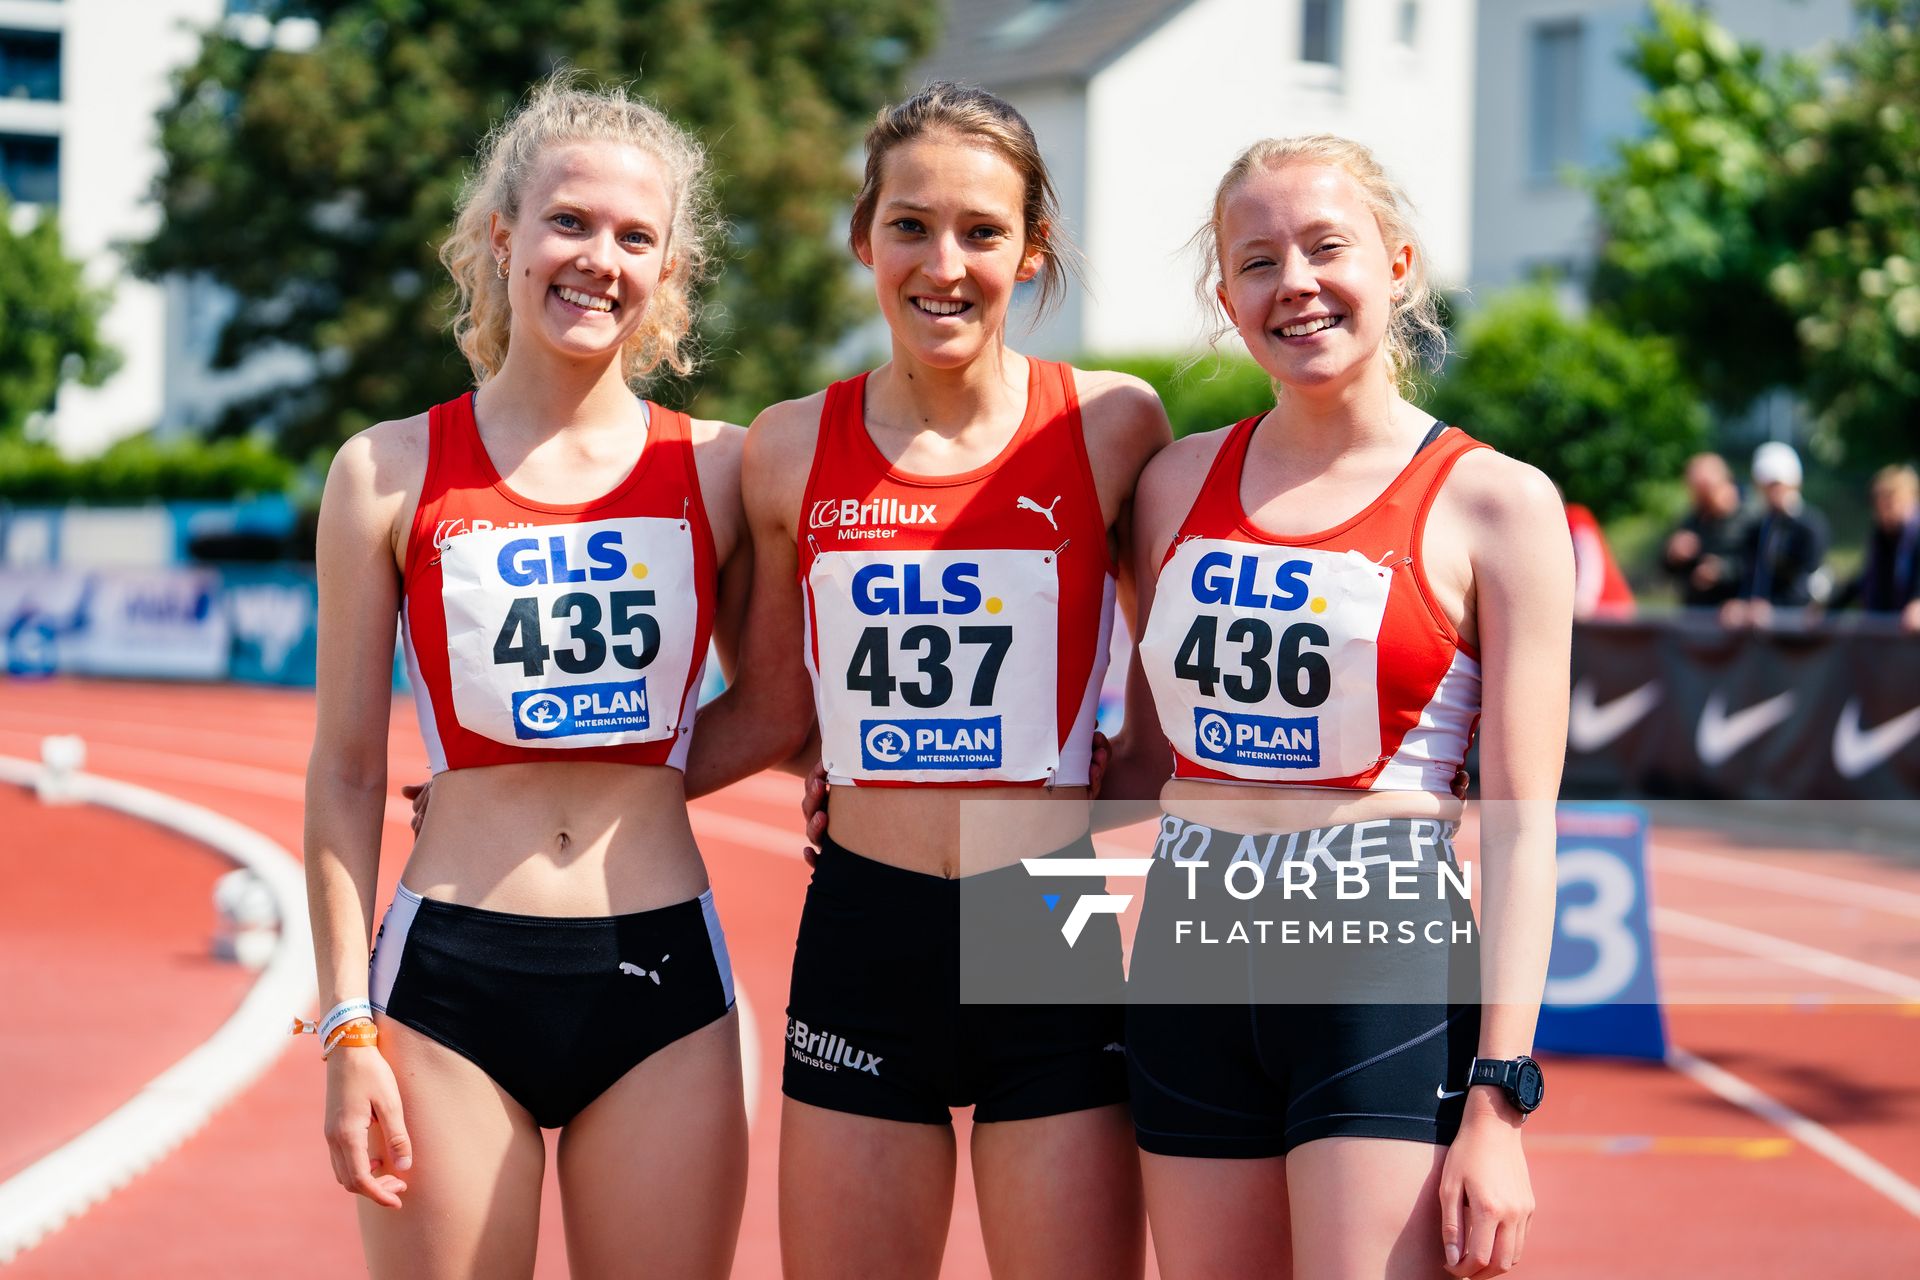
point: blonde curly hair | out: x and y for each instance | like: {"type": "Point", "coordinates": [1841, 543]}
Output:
{"type": "Point", "coordinates": [1415, 334]}
{"type": "Point", "coordinates": [557, 113]}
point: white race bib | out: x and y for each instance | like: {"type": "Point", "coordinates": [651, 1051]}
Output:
{"type": "Point", "coordinates": [937, 666]}
{"type": "Point", "coordinates": [1264, 660]}
{"type": "Point", "coordinates": [571, 635]}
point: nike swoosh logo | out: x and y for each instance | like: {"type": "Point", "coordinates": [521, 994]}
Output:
{"type": "Point", "coordinates": [1442, 1094]}
{"type": "Point", "coordinates": [1858, 750]}
{"type": "Point", "coordinates": [1592, 725]}
{"type": "Point", "coordinates": [1722, 736]}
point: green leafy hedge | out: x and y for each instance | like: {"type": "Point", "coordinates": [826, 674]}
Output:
{"type": "Point", "coordinates": [1211, 393]}
{"type": "Point", "coordinates": [141, 470]}
{"type": "Point", "coordinates": [1610, 416]}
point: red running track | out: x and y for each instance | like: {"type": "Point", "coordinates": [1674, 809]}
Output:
{"type": "Point", "coordinates": [1639, 1171]}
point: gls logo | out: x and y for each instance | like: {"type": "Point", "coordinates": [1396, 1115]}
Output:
{"type": "Point", "coordinates": [877, 592]}
{"type": "Point", "coordinates": [524, 562]}
{"type": "Point", "coordinates": [1222, 578]}
{"type": "Point", "coordinates": [851, 513]}
{"type": "Point", "coordinates": [1087, 905]}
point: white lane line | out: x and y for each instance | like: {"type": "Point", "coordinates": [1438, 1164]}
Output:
{"type": "Point", "coordinates": [1807, 1132]}
{"type": "Point", "coordinates": [175, 1104]}
{"type": "Point", "coordinates": [107, 729]}
{"type": "Point", "coordinates": [762, 836]}
{"type": "Point", "coordinates": [252, 779]}
{"type": "Point", "coordinates": [1767, 947]}
{"type": "Point", "coordinates": [1788, 880]}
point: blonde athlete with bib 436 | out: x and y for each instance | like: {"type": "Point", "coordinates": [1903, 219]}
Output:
{"type": "Point", "coordinates": [559, 552]}
{"type": "Point", "coordinates": [1334, 593]}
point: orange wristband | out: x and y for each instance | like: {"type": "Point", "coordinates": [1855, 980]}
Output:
{"type": "Point", "coordinates": [358, 1034]}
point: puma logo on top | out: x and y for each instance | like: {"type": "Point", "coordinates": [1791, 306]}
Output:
{"type": "Point", "coordinates": [1028, 504]}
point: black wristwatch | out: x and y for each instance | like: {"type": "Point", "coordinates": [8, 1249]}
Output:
{"type": "Point", "coordinates": [1519, 1078]}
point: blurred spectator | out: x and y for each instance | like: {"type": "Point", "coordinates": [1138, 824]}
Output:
{"type": "Point", "coordinates": [1599, 588]}
{"type": "Point", "coordinates": [1784, 544]}
{"type": "Point", "coordinates": [1703, 554]}
{"type": "Point", "coordinates": [1889, 582]}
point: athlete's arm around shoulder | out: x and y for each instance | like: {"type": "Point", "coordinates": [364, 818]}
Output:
{"type": "Point", "coordinates": [372, 489]}
{"type": "Point", "coordinates": [1125, 426]}
{"type": "Point", "coordinates": [717, 447]}
{"type": "Point", "coordinates": [767, 711]}
{"type": "Point", "coordinates": [1165, 492]}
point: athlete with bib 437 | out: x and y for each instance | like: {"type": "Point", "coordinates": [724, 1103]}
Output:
{"type": "Point", "coordinates": [945, 529]}
{"type": "Point", "coordinates": [559, 553]}
{"type": "Point", "coordinates": [1334, 594]}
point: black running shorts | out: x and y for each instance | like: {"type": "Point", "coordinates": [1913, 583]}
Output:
{"type": "Point", "coordinates": [875, 1022]}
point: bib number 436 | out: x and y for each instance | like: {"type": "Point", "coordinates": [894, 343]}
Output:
{"type": "Point", "coordinates": [1291, 666]}
{"type": "Point", "coordinates": [585, 649]}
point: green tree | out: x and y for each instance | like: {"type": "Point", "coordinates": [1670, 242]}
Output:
{"type": "Point", "coordinates": [1691, 220]}
{"type": "Point", "coordinates": [1768, 220]}
{"type": "Point", "coordinates": [1606, 414]}
{"type": "Point", "coordinates": [49, 321]}
{"type": "Point", "coordinates": [1854, 284]}
{"type": "Point", "coordinates": [315, 183]}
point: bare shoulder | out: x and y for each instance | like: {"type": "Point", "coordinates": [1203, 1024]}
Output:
{"type": "Point", "coordinates": [1502, 495]}
{"type": "Point", "coordinates": [1178, 470]}
{"type": "Point", "coordinates": [717, 445]}
{"type": "Point", "coordinates": [779, 458]}
{"type": "Point", "coordinates": [385, 462]}
{"type": "Point", "coordinates": [783, 435]}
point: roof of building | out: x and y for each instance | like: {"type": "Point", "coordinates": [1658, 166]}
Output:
{"type": "Point", "coordinates": [1006, 42]}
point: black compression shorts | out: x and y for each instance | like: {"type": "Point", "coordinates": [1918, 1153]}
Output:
{"type": "Point", "coordinates": [1240, 1048]}
{"type": "Point", "coordinates": [876, 1025]}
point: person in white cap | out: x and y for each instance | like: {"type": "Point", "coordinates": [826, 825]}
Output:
{"type": "Point", "coordinates": [1784, 544]}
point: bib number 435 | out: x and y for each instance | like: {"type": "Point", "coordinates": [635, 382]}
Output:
{"type": "Point", "coordinates": [585, 649]}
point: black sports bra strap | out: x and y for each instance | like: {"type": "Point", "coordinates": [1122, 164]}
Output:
{"type": "Point", "coordinates": [1434, 432]}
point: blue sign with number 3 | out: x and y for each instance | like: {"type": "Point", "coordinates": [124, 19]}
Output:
{"type": "Point", "coordinates": [1602, 996]}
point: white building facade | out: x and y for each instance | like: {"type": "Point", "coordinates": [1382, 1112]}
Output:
{"type": "Point", "coordinates": [81, 82]}
{"type": "Point", "coordinates": [1554, 95]}
{"type": "Point", "coordinates": [1140, 106]}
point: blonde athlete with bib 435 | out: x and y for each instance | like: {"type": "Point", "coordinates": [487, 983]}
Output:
{"type": "Point", "coordinates": [559, 552]}
{"type": "Point", "coordinates": [1334, 593]}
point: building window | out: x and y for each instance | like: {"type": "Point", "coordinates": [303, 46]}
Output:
{"type": "Point", "coordinates": [30, 65]}
{"type": "Point", "coordinates": [1408, 28]}
{"type": "Point", "coordinates": [1557, 131]}
{"type": "Point", "coordinates": [1320, 31]}
{"type": "Point", "coordinates": [30, 169]}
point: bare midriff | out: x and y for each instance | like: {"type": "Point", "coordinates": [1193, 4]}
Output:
{"type": "Point", "coordinates": [950, 831]}
{"type": "Point", "coordinates": [561, 839]}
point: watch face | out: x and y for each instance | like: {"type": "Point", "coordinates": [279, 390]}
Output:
{"type": "Point", "coordinates": [1531, 1086]}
